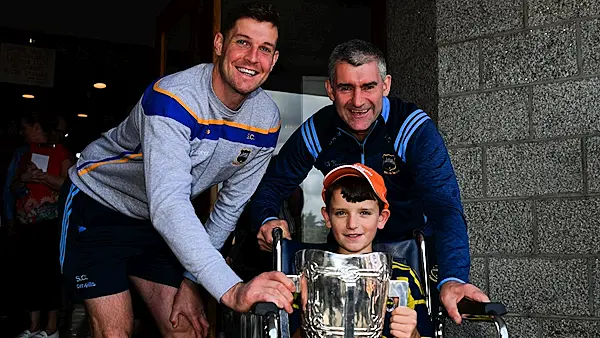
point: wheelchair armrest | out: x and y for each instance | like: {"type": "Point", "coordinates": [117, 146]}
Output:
{"type": "Point", "coordinates": [472, 308]}
{"type": "Point", "coordinates": [264, 309]}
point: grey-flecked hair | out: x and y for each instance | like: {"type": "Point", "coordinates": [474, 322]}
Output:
{"type": "Point", "coordinates": [356, 52]}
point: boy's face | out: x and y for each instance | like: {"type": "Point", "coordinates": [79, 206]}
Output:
{"type": "Point", "coordinates": [354, 225]}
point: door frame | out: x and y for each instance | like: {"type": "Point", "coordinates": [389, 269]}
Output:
{"type": "Point", "coordinates": [205, 22]}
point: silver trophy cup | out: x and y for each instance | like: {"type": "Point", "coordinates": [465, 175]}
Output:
{"type": "Point", "coordinates": [345, 295]}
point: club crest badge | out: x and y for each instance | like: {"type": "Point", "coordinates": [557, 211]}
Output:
{"type": "Point", "coordinates": [388, 163]}
{"type": "Point", "coordinates": [242, 156]}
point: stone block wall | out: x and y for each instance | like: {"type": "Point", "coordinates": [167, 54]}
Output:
{"type": "Point", "coordinates": [519, 108]}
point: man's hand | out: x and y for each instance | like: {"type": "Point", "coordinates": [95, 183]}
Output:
{"type": "Point", "coordinates": [272, 287]}
{"type": "Point", "coordinates": [188, 304]}
{"type": "Point", "coordinates": [452, 292]}
{"type": "Point", "coordinates": [265, 233]}
{"type": "Point", "coordinates": [403, 323]}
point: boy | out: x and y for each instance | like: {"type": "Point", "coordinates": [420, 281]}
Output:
{"type": "Point", "coordinates": [355, 208]}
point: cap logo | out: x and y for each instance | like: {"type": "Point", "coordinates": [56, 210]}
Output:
{"type": "Point", "coordinates": [362, 170]}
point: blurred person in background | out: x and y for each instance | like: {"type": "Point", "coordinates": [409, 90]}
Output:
{"type": "Point", "coordinates": [58, 134]}
{"type": "Point", "coordinates": [40, 172]}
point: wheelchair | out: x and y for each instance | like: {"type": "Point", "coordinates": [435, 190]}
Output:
{"type": "Point", "coordinates": [267, 321]}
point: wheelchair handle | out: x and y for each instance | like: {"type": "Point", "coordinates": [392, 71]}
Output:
{"type": "Point", "coordinates": [277, 235]}
{"type": "Point", "coordinates": [470, 307]}
{"type": "Point", "coordinates": [271, 314]}
{"type": "Point", "coordinates": [267, 308]}
{"type": "Point", "coordinates": [264, 309]}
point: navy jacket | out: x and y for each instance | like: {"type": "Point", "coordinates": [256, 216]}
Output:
{"type": "Point", "coordinates": [405, 147]}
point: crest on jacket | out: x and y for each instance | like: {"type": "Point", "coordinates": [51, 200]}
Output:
{"type": "Point", "coordinates": [388, 163]}
{"type": "Point", "coordinates": [242, 156]}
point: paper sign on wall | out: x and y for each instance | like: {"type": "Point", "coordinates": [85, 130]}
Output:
{"type": "Point", "coordinates": [27, 65]}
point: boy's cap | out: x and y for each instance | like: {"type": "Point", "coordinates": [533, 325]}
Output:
{"type": "Point", "coordinates": [358, 170]}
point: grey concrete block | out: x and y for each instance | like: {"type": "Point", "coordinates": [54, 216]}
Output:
{"type": "Point", "coordinates": [500, 227]}
{"type": "Point", "coordinates": [545, 12]}
{"type": "Point", "coordinates": [414, 78]}
{"type": "Point", "coordinates": [541, 286]}
{"type": "Point", "coordinates": [593, 164]}
{"type": "Point", "coordinates": [596, 278]}
{"type": "Point", "coordinates": [589, 8]}
{"type": "Point", "coordinates": [536, 168]}
{"type": "Point", "coordinates": [460, 19]}
{"type": "Point", "coordinates": [467, 165]}
{"type": "Point", "coordinates": [430, 107]}
{"type": "Point", "coordinates": [518, 327]}
{"type": "Point", "coordinates": [458, 68]}
{"type": "Point", "coordinates": [569, 226]}
{"type": "Point", "coordinates": [410, 27]}
{"type": "Point", "coordinates": [478, 275]}
{"type": "Point", "coordinates": [570, 328]}
{"type": "Point", "coordinates": [568, 108]}
{"type": "Point", "coordinates": [469, 330]}
{"type": "Point", "coordinates": [537, 55]}
{"type": "Point", "coordinates": [485, 117]}
{"type": "Point", "coordinates": [590, 46]}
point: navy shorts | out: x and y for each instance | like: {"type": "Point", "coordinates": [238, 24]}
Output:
{"type": "Point", "coordinates": [100, 248]}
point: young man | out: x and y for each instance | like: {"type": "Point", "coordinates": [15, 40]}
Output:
{"type": "Point", "coordinates": [356, 207]}
{"type": "Point", "coordinates": [128, 216]}
{"type": "Point", "coordinates": [394, 138]}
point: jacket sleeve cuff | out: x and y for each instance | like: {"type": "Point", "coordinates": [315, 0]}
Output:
{"type": "Point", "coordinates": [218, 289]}
{"type": "Point", "coordinates": [189, 276]}
{"type": "Point", "coordinates": [439, 287]}
{"type": "Point", "coordinates": [268, 219]}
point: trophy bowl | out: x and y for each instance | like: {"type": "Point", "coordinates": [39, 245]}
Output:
{"type": "Point", "coordinates": [345, 295]}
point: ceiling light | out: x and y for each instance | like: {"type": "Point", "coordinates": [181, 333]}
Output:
{"type": "Point", "coordinates": [81, 115]}
{"type": "Point", "coordinates": [99, 85]}
{"type": "Point", "coordinates": [28, 96]}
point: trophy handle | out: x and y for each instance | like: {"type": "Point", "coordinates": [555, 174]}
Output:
{"type": "Point", "coordinates": [296, 280]}
{"type": "Point", "coordinates": [399, 289]}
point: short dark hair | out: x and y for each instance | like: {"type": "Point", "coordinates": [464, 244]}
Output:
{"type": "Point", "coordinates": [357, 53]}
{"type": "Point", "coordinates": [354, 189]}
{"type": "Point", "coordinates": [261, 12]}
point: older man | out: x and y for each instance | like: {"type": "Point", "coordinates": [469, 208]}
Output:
{"type": "Point", "coordinates": [393, 137]}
